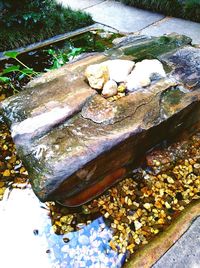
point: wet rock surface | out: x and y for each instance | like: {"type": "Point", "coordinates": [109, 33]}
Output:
{"type": "Point", "coordinates": [90, 142]}
{"type": "Point", "coordinates": [185, 64]}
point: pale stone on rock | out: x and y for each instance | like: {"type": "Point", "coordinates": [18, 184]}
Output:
{"type": "Point", "coordinates": [97, 75]}
{"type": "Point", "coordinates": [120, 69]}
{"type": "Point", "coordinates": [109, 89]}
{"type": "Point", "coordinates": [143, 73]}
{"type": "Point", "coordinates": [145, 81]}
{"type": "Point", "coordinates": [138, 81]}
{"type": "Point", "coordinates": [117, 70]}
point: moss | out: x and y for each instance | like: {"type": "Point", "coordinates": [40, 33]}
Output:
{"type": "Point", "coordinates": [36, 26]}
{"type": "Point", "coordinates": [188, 9]}
{"type": "Point", "coordinates": [152, 49]}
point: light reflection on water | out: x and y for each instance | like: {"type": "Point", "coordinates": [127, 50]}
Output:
{"type": "Point", "coordinates": [27, 238]}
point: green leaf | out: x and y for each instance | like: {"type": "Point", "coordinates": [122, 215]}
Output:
{"type": "Point", "coordinates": [75, 52]}
{"type": "Point", "coordinates": [4, 79]}
{"type": "Point", "coordinates": [13, 68]}
{"type": "Point", "coordinates": [56, 65]}
{"type": "Point", "coordinates": [11, 54]}
{"type": "Point", "coordinates": [27, 71]}
{"type": "Point", "coordinates": [61, 60]}
{"type": "Point", "coordinates": [51, 51]}
{"type": "Point", "coordinates": [26, 16]}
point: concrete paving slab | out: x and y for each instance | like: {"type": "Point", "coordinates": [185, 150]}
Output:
{"type": "Point", "coordinates": [82, 4]}
{"type": "Point", "coordinates": [186, 252]}
{"type": "Point", "coordinates": [180, 26]}
{"type": "Point", "coordinates": [122, 17]}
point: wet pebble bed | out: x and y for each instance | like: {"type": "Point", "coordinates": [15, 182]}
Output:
{"type": "Point", "coordinates": [143, 205]}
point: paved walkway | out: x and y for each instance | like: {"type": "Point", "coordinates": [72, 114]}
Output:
{"type": "Point", "coordinates": [186, 251]}
{"type": "Point", "coordinates": [133, 20]}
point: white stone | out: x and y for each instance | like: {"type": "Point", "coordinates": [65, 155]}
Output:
{"type": "Point", "coordinates": [134, 82]}
{"type": "Point", "coordinates": [150, 67]}
{"type": "Point", "coordinates": [109, 89]}
{"type": "Point", "coordinates": [143, 73]}
{"type": "Point", "coordinates": [119, 69]}
{"type": "Point", "coordinates": [137, 224]}
{"type": "Point", "coordinates": [145, 81]}
{"type": "Point", "coordinates": [97, 75]}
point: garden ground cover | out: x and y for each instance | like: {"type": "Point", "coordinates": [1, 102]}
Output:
{"type": "Point", "coordinates": [32, 23]}
{"type": "Point", "coordinates": [187, 9]}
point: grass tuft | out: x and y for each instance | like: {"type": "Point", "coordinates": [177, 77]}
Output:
{"type": "Point", "coordinates": [23, 27]}
{"type": "Point", "coordinates": [187, 9]}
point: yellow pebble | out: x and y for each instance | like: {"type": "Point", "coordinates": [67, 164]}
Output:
{"type": "Point", "coordinates": [6, 173]}
{"type": "Point", "coordinates": [5, 147]}
{"type": "Point", "coordinates": [170, 180]}
{"type": "Point", "coordinates": [161, 221]}
{"type": "Point", "coordinates": [190, 169]}
{"type": "Point", "coordinates": [1, 184]}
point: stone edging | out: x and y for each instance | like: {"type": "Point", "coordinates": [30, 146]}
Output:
{"type": "Point", "coordinates": [151, 253]}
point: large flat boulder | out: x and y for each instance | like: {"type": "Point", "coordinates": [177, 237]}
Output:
{"type": "Point", "coordinates": [75, 143]}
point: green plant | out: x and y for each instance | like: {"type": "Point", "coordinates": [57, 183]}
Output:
{"type": "Point", "coordinates": [6, 80]}
{"type": "Point", "coordinates": [25, 22]}
{"type": "Point", "coordinates": [26, 70]}
{"type": "Point", "coordinates": [20, 71]}
{"type": "Point", "coordinates": [27, 13]}
{"type": "Point", "coordinates": [59, 57]}
{"type": "Point", "coordinates": [192, 8]}
{"type": "Point", "coordinates": [189, 9]}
